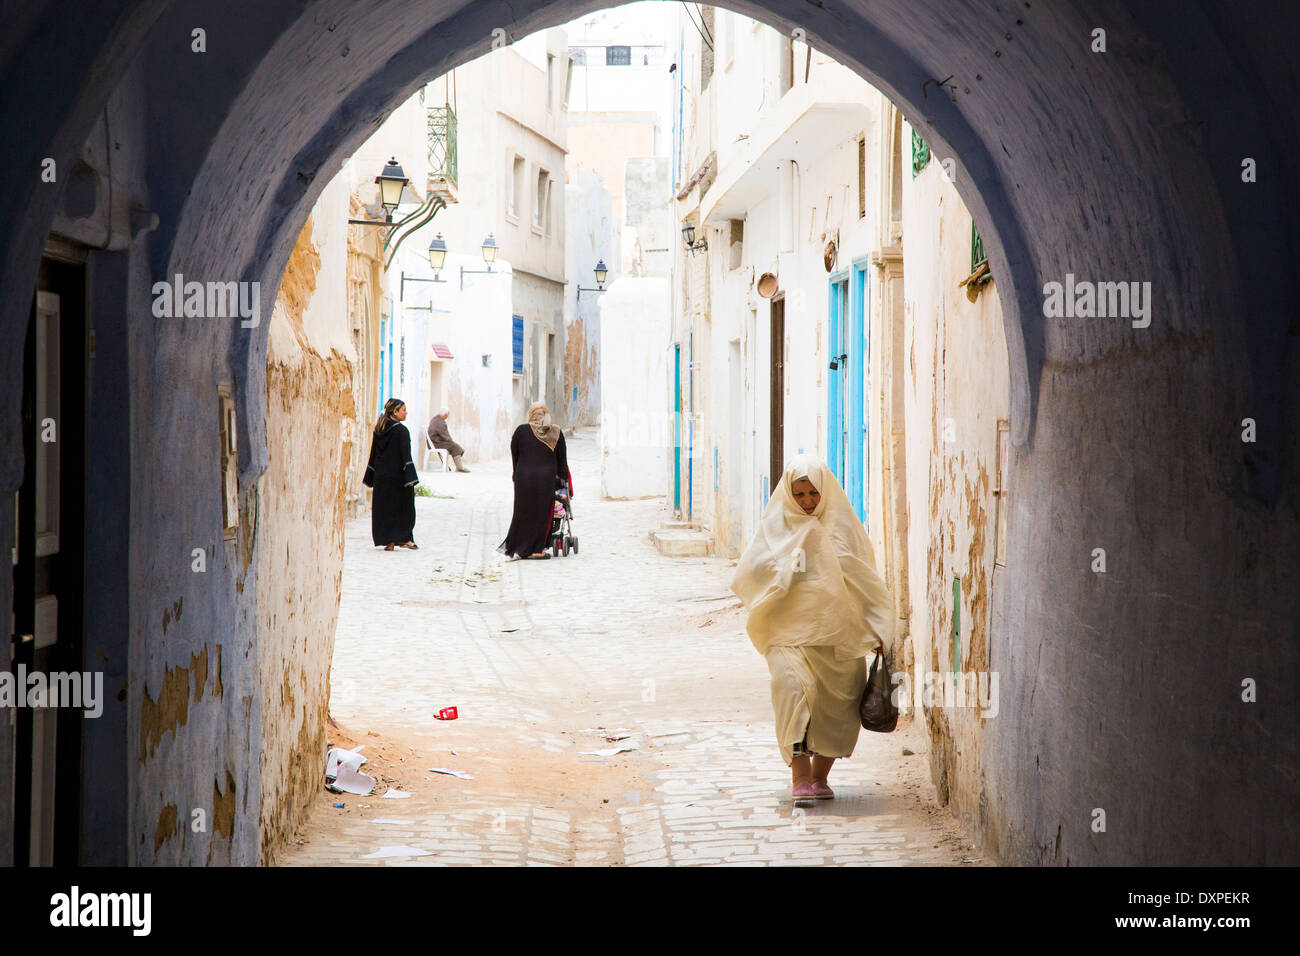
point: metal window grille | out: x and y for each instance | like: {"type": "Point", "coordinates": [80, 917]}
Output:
{"type": "Point", "coordinates": [618, 56]}
{"type": "Point", "coordinates": [442, 143]}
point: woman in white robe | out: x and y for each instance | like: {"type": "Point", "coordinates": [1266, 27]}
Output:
{"type": "Point", "coordinates": [817, 607]}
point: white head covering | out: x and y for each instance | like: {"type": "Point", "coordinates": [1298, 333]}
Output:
{"type": "Point", "coordinates": [838, 599]}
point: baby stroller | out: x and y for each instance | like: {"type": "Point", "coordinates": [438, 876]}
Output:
{"type": "Point", "coordinates": [562, 541]}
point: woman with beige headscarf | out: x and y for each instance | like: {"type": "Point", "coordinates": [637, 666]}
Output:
{"type": "Point", "coordinates": [540, 462]}
{"type": "Point", "coordinates": [817, 607]}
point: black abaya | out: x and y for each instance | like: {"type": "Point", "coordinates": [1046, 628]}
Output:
{"type": "Point", "coordinates": [536, 470]}
{"type": "Point", "coordinates": [391, 473]}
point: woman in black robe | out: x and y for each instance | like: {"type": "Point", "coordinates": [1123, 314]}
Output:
{"type": "Point", "coordinates": [540, 462]}
{"type": "Point", "coordinates": [391, 473]}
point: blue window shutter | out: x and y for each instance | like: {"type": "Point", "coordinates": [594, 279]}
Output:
{"type": "Point", "coordinates": [519, 345]}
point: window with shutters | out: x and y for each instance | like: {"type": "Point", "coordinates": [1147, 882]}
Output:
{"type": "Point", "coordinates": [517, 343]}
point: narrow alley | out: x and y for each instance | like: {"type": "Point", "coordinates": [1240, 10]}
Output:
{"type": "Point", "coordinates": [547, 659]}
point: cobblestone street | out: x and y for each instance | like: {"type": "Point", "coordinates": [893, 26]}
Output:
{"type": "Point", "coordinates": [547, 659]}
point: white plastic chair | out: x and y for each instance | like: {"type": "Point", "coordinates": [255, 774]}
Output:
{"type": "Point", "coordinates": [444, 459]}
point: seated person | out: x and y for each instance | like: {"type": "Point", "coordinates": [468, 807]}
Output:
{"type": "Point", "coordinates": [439, 437]}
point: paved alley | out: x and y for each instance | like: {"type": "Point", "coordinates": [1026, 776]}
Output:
{"type": "Point", "coordinates": [614, 647]}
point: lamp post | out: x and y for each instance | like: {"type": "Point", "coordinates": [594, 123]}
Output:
{"type": "Point", "coordinates": [489, 256]}
{"type": "Point", "coordinates": [602, 272]}
{"type": "Point", "coordinates": [688, 239]}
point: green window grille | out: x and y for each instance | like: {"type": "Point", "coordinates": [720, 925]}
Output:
{"type": "Point", "coordinates": [442, 143]}
{"type": "Point", "coordinates": [977, 255]}
{"type": "Point", "coordinates": [920, 153]}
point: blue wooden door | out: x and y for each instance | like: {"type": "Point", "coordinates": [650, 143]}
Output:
{"type": "Point", "coordinates": [857, 452]}
{"type": "Point", "coordinates": [677, 428]}
{"type": "Point", "coordinates": [837, 392]}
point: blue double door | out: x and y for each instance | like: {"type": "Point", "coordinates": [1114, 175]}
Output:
{"type": "Point", "coordinates": [846, 412]}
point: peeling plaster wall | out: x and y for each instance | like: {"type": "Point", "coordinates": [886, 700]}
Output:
{"type": "Point", "coordinates": [957, 391]}
{"type": "Point", "coordinates": [541, 302]}
{"type": "Point", "coordinates": [310, 418]}
{"type": "Point", "coordinates": [365, 304]}
{"type": "Point", "coordinates": [648, 235]}
{"type": "Point", "coordinates": [592, 238]}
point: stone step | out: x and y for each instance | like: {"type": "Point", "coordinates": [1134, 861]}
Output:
{"type": "Point", "coordinates": [682, 542]}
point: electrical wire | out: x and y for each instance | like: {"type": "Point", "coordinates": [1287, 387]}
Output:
{"type": "Point", "coordinates": [703, 38]}
{"type": "Point", "coordinates": [707, 31]}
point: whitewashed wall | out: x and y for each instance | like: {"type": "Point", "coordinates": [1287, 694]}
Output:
{"type": "Point", "coordinates": [636, 426]}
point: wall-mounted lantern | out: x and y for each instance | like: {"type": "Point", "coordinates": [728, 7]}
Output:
{"type": "Point", "coordinates": [391, 183]}
{"type": "Point", "coordinates": [602, 273]}
{"type": "Point", "coordinates": [688, 239]}
{"type": "Point", "coordinates": [489, 256]}
{"type": "Point", "coordinates": [437, 256]}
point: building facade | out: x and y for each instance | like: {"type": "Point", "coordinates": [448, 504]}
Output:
{"type": "Point", "coordinates": [830, 297]}
{"type": "Point", "coordinates": [511, 106]}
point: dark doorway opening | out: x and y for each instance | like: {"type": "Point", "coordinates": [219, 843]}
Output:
{"type": "Point", "coordinates": [48, 560]}
{"type": "Point", "coordinates": [777, 397]}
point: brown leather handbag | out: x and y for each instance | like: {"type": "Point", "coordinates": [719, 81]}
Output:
{"type": "Point", "coordinates": [877, 710]}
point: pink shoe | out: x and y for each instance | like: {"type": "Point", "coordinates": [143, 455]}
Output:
{"type": "Point", "coordinates": [803, 790]}
{"type": "Point", "coordinates": [821, 790]}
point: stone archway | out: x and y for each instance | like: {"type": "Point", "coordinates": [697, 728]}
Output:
{"type": "Point", "coordinates": [1118, 165]}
